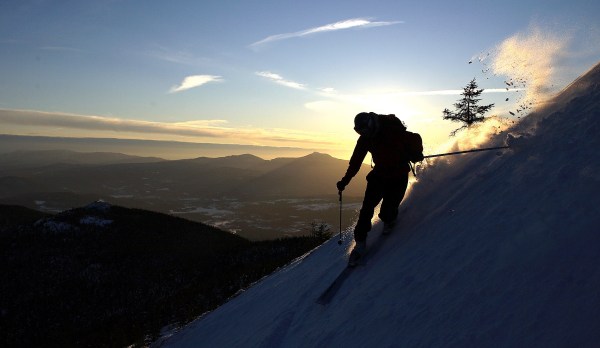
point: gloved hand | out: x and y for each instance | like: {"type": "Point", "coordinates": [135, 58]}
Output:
{"type": "Point", "coordinates": [341, 185]}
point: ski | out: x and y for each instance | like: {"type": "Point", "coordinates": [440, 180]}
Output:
{"type": "Point", "coordinates": [330, 292]}
{"type": "Point", "coordinates": [372, 246]}
{"type": "Point", "coordinates": [333, 288]}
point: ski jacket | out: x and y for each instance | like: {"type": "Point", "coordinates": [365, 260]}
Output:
{"type": "Point", "coordinates": [386, 147]}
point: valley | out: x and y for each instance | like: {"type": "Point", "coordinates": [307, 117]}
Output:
{"type": "Point", "coordinates": [245, 195]}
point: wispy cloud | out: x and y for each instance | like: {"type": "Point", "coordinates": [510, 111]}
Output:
{"type": "Point", "coordinates": [341, 25]}
{"type": "Point", "coordinates": [333, 94]}
{"type": "Point", "coordinates": [214, 130]}
{"type": "Point", "coordinates": [95, 123]}
{"type": "Point", "coordinates": [194, 81]}
{"type": "Point", "coordinates": [176, 56]}
{"type": "Point", "coordinates": [456, 92]}
{"type": "Point", "coordinates": [328, 90]}
{"type": "Point", "coordinates": [280, 80]}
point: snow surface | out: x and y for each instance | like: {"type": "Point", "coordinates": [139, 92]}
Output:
{"type": "Point", "coordinates": [494, 249]}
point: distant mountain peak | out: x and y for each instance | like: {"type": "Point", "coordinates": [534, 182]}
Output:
{"type": "Point", "coordinates": [321, 154]}
{"type": "Point", "coordinates": [245, 155]}
{"type": "Point", "coordinates": [318, 155]}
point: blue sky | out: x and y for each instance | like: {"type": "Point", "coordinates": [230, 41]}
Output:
{"type": "Point", "coordinates": [277, 73]}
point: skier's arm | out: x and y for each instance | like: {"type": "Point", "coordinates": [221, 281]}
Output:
{"type": "Point", "coordinates": [359, 154]}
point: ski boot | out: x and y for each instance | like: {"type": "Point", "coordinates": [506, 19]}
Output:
{"type": "Point", "coordinates": [359, 251]}
{"type": "Point", "coordinates": [388, 228]}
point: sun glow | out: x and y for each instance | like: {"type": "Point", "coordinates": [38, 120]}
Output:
{"type": "Point", "coordinates": [381, 102]}
{"type": "Point", "coordinates": [387, 104]}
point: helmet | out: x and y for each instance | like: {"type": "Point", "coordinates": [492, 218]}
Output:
{"type": "Point", "coordinates": [364, 123]}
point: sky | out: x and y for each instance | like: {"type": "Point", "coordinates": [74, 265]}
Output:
{"type": "Point", "coordinates": [279, 73]}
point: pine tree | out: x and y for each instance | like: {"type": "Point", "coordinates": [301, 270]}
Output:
{"type": "Point", "coordinates": [320, 230]}
{"type": "Point", "coordinates": [467, 110]}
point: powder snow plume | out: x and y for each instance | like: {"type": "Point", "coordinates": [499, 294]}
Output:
{"type": "Point", "coordinates": [477, 136]}
{"type": "Point", "coordinates": [529, 60]}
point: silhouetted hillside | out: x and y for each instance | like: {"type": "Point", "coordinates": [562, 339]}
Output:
{"type": "Point", "coordinates": [28, 160]}
{"type": "Point", "coordinates": [13, 217]}
{"type": "Point", "coordinates": [246, 161]}
{"type": "Point", "coordinates": [312, 175]}
{"type": "Point", "coordinates": [155, 148]}
{"type": "Point", "coordinates": [104, 275]}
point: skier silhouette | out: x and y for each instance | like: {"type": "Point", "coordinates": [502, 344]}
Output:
{"type": "Point", "coordinates": [382, 136]}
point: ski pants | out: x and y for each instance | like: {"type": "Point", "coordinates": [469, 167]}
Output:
{"type": "Point", "coordinates": [388, 191]}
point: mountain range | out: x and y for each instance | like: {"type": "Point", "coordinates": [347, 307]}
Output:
{"type": "Point", "coordinates": [56, 180]}
{"type": "Point", "coordinates": [113, 174]}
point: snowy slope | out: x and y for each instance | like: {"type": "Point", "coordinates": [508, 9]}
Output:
{"type": "Point", "coordinates": [492, 249]}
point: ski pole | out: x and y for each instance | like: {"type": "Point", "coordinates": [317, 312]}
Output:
{"type": "Point", "coordinates": [340, 240]}
{"type": "Point", "coordinates": [467, 151]}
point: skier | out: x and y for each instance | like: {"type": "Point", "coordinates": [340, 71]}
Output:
{"type": "Point", "coordinates": [382, 136]}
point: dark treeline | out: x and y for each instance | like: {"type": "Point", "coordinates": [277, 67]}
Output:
{"type": "Point", "coordinates": [105, 275]}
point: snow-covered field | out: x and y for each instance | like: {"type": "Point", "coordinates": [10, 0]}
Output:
{"type": "Point", "coordinates": [495, 249]}
{"type": "Point", "coordinates": [276, 217]}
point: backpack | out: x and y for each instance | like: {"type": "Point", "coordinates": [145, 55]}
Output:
{"type": "Point", "coordinates": [414, 146]}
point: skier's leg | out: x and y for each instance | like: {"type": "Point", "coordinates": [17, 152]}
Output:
{"type": "Point", "coordinates": [373, 195]}
{"type": "Point", "coordinates": [392, 196]}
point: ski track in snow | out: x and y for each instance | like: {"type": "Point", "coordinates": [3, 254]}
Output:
{"type": "Point", "coordinates": [493, 250]}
